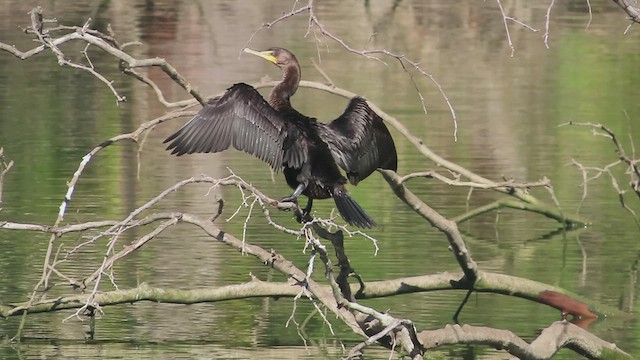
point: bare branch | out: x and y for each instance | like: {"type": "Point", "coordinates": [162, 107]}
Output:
{"type": "Point", "coordinates": [133, 136]}
{"type": "Point", "coordinates": [558, 335]}
{"type": "Point", "coordinates": [544, 182]}
{"type": "Point", "coordinates": [631, 8]}
{"type": "Point", "coordinates": [270, 24]}
{"type": "Point", "coordinates": [144, 292]}
{"type": "Point", "coordinates": [632, 166]}
{"type": "Point", "coordinates": [97, 39]}
{"type": "Point", "coordinates": [590, 15]}
{"type": "Point", "coordinates": [547, 24]}
{"type": "Point", "coordinates": [108, 262]}
{"type": "Point", "coordinates": [448, 227]}
{"type": "Point", "coordinates": [314, 23]}
{"type": "Point", "coordinates": [506, 18]}
{"type": "Point", "coordinates": [506, 27]}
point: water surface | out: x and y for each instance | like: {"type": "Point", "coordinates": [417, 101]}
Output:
{"type": "Point", "coordinates": [508, 110]}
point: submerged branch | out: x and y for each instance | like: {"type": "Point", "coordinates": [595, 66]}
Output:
{"type": "Point", "coordinates": [542, 209]}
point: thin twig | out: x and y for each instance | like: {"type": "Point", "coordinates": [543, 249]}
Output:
{"type": "Point", "coordinates": [547, 24]}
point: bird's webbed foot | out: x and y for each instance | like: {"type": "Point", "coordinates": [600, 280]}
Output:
{"type": "Point", "coordinates": [296, 193]}
{"type": "Point", "coordinates": [302, 215]}
{"type": "Point", "coordinates": [290, 198]}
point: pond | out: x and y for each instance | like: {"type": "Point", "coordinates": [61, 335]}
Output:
{"type": "Point", "coordinates": [507, 111]}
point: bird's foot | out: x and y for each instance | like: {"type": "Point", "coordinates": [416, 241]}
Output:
{"type": "Point", "coordinates": [290, 199]}
{"type": "Point", "coordinates": [294, 197]}
{"type": "Point", "coordinates": [304, 215]}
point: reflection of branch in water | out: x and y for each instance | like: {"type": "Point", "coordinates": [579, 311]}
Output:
{"type": "Point", "coordinates": [551, 235]}
{"type": "Point", "coordinates": [4, 169]}
{"type": "Point", "coordinates": [583, 251]}
{"type": "Point", "coordinates": [633, 282]}
{"type": "Point", "coordinates": [461, 306]}
{"type": "Point", "coordinates": [548, 236]}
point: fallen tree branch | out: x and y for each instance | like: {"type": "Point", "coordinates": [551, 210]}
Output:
{"type": "Point", "coordinates": [560, 334]}
{"type": "Point", "coordinates": [277, 262]}
{"type": "Point", "coordinates": [145, 292]}
{"type": "Point", "coordinates": [257, 288]}
{"type": "Point", "coordinates": [489, 282]}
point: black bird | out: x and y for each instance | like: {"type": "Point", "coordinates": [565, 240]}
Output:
{"type": "Point", "coordinates": [307, 151]}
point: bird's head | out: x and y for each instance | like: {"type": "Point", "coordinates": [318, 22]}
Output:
{"type": "Point", "coordinates": [283, 58]}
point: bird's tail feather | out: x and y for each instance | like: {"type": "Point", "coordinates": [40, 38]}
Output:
{"type": "Point", "coordinates": [351, 212]}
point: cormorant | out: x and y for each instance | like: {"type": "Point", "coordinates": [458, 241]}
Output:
{"type": "Point", "coordinates": [307, 151]}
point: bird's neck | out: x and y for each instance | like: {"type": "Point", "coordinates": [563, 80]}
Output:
{"type": "Point", "coordinates": [284, 90]}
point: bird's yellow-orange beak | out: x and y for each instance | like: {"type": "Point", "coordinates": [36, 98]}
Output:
{"type": "Point", "coordinates": [267, 55]}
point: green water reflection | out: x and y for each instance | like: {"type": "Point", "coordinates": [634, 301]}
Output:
{"type": "Point", "coordinates": [508, 113]}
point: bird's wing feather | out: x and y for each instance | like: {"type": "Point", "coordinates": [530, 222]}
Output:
{"type": "Point", "coordinates": [240, 117]}
{"type": "Point", "coordinates": [360, 142]}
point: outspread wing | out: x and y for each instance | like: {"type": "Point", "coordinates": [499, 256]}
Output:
{"type": "Point", "coordinates": [240, 117]}
{"type": "Point", "coordinates": [360, 142]}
